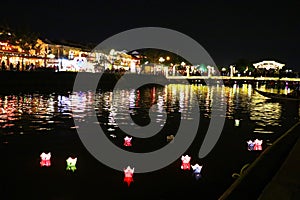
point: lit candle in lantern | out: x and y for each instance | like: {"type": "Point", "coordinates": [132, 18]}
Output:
{"type": "Point", "coordinates": [185, 165]}
{"type": "Point", "coordinates": [127, 141]}
{"type": "Point", "coordinates": [250, 145]}
{"type": "Point", "coordinates": [45, 159]}
{"type": "Point", "coordinates": [197, 171]}
{"type": "Point", "coordinates": [170, 138]}
{"type": "Point", "coordinates": [128, 175]}
{"type": "Point", "coordinates": [71, 164]}
{"type": "Point", "coordinates": [236, 122]}
{"type": "Point", "coordinates": [257, 144]}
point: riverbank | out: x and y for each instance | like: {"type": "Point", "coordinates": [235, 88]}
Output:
{"type": "Point", "coordinates": [257, 181]}
{"type": "Point", "coordinates": [62, 82]}
{"type": "Point", "coordinates": [286, 182]}
{"type": "Point", "coordinates": [43, 81]}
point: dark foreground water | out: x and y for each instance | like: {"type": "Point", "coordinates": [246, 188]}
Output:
{"type": "Point", "coordinates": [34, 123]}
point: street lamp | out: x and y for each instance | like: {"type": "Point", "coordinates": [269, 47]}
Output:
{"type": "Point", "coordinates": [161, 60]}
{"type": "Point", "coordinates": [232, 70]}
{"type": "Point", "coordinates": [209, 70]}
{"type": "Point", "coordinates": [223, 71]}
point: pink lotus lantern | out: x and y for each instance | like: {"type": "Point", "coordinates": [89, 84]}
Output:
{"type": "Point", "coordinates": [185, 165]}
{"type": "Point", "coordinates": [257, 144]}
{"type": "Point", "coordinates": [45, 159]}
{"type": "Point", "coordinates": [128, 178]}
{"type": "Point", "coordinates": [127, 141]}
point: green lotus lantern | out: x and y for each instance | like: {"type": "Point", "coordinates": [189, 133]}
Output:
{"type": "Point", "coordinates": [71, 164]}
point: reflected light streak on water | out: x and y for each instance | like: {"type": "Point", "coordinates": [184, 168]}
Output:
{"type": "Point", "coordinates": [27, 113]}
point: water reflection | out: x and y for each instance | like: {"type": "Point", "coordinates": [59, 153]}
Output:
{"type": "Point", "coordinates": [268, 112]}
{"type": "Point", "coordinates": [34, 112]}
{"type": "Point", "coordinates": [39, 112]}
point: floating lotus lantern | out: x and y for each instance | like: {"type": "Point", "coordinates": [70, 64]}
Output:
{"type": "Point", "coordinates": [170, 138]}
{"type": "Point", "coordinates": [185, 165]}
{"type": "Point", "coordinates": [128, 178]}
{"type": "Point", "coordinates": [127, 141]}
{"type": "Point", "coordinates": [197, 171]}
{"type": "Point", "coordinates": [236, 122]}
{"type": "Point", "coordinates": [45, 159]}
{"type": "Point", "coordinates": [250, 145]}
{"type": "Point", "coordinates": [71, 164]}
{"type": "Point", "coordinates": [257, 144]}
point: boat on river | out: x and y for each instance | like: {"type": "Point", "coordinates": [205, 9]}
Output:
{"type": "Point", "coordinates": [293, 96]}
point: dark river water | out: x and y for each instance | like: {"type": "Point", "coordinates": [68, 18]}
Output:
{"type": "Point", "coordinates": [36, 122]}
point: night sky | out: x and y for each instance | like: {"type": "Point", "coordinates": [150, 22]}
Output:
{"type": "Point", "coordinates": [228, 30]}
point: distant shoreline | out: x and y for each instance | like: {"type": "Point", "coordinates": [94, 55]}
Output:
{"type": "Point", "coordinates": [12, 82]}
{"type": "Point", "coordinates": [15, 82]}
